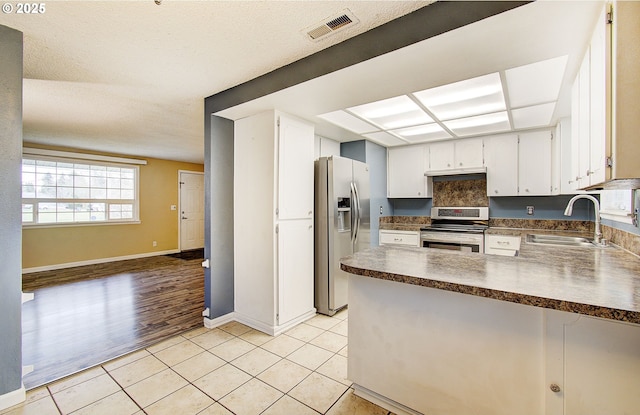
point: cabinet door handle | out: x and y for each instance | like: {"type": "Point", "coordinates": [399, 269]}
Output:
{"type": "Point", "coordinates": [554, 388]}
{"type": "Point", "coordinates": [496, 191]}
{"type": "Point", "coordinates": [461, 163]}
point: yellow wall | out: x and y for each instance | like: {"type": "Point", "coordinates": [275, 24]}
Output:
{"type": "Point", "coordinates": [42, 247]}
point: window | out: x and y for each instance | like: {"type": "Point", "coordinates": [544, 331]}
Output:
{"type": "Point", "coordinates": [67, 191]}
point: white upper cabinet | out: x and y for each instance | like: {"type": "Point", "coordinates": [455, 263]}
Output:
{"type": "Point", "coordinates": [519, 165]}
{"type": "Point", "coordinates": [459, 155]}
{"type": "Point", "coordinates": [441, 156]}
{"type": "Point", "coordinates": [405, 172]}
{"type": "Point", "coordinates": [501, 158]}
{"type": "Point", "coordinates": [534, 164]}
{"type": "Point", "coordinates": [605, 94]}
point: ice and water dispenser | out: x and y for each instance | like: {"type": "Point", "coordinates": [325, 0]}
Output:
{"type": "Point", "coordinates": [344, 214]}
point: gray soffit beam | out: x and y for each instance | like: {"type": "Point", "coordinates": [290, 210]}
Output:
{"type": "Point", "coordinates": [424, 23]}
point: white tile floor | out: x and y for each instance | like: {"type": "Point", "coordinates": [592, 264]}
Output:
{"type": "Point", "coordinates": [232, 369]}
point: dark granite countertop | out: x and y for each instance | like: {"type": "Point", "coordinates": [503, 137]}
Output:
{"type": "Point", "coordinates": [587, 280]}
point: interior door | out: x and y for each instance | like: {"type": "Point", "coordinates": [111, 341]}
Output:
{"type": "Point", "coordinates": [191, 210]}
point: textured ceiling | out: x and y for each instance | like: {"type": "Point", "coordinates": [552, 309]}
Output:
{"type": "Point", "coordinates": [130, 77]}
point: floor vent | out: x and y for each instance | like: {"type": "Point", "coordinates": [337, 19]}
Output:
{"type": "Point", "coordinates": [330, 25]}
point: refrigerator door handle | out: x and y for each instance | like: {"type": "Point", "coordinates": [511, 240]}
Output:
{"type": "Point", "coordinates": [357, 220]}
{"type": "Point", "coordinates": [354, 213]}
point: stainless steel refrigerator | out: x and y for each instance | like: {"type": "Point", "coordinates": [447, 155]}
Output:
{"type": "Point", "coordinates": [342, 226]}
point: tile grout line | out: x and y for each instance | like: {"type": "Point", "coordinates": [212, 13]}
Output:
{"type": "Point", "coordinates": [332, 354]}
{"type": "Point", "coordinates": [123, 390]}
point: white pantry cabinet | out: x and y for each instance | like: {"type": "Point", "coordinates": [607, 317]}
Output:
{"type": "Point", "coordinates": [463, 154]}
{"type": "Point", "coordinates": [405, 172]}
{"type": "Point", "coordinates": [273, 221]}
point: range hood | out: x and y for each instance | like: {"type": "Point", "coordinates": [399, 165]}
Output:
{"type": "Point", "coordinates": [455, 172]}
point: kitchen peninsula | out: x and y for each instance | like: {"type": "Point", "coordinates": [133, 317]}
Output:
{"type": "Point", "coordinates": [555, 330]}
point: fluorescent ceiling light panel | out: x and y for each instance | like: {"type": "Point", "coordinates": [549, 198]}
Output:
{"type": "Point", "coordinates": [392, 113]}
{"type": "Point", "coordinates": [481, 124]}
{"type": "Point", "coordinates": [535, 83]}
{"type": "Point", "coordinates": [423, 133]}
{"type": "Point", "coordinates": [481, 95]}
{"type": "Point", "coordinates": [385, 139]}
{"type": "Point", "coordinates": [349, 122]}
{"type": "Point", "coordinates": [536, 116]}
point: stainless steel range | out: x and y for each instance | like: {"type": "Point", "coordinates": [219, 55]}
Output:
{"type": "Point", "coordinates": [456, 228]}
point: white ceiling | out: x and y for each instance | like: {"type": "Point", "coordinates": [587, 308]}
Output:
{"type": "Point", "coordinates": [532, 33]}
{"type": "Point", "coordinates": [130, 77]}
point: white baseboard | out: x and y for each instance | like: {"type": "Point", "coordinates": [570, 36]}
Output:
{"type": "Point", "coordinates": [98, 261]}
{"type": "Point", "coordinates": [386, 403]}
{"type": "Point", "coordinates": [212, 323]}
{"type": "Point", "coordinates": [13, 398]}
{"type": "Point", "coordinates": [271, 329]}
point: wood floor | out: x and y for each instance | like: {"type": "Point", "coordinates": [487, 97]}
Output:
{"type": "Point", "coordinates": [86, 315]}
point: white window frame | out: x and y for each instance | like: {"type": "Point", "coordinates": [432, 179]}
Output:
{"type": "Point", "coordinates": [87, 161]}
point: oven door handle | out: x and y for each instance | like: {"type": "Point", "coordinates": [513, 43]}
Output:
{"type": "Point", "coordinates": [459, 239]}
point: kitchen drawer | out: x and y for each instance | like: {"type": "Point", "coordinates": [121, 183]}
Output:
{"type": "Point", "coordinates": [501, 245]}
{"type": "Point", "coordinates": [389, 237]}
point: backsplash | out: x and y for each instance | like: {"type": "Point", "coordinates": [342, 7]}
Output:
{"type": "Point", "coordinates": [468, 193]}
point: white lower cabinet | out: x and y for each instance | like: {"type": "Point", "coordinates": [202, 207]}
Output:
{"type": "Point", "coordinates": [501, 245]}
{"type": "Point", "coordinates": [393, 237]}
{"type": "Point", "coordinates": [444, 352]}
{"type": "Point", "coordinates": [592, 365]}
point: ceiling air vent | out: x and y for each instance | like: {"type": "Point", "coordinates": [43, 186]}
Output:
{"type": "Point", "coordinates": [330, 25]}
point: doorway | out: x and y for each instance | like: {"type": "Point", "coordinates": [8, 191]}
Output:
{"type": "Point", "coordinates": [191, 210]}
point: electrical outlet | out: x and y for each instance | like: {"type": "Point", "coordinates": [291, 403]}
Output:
{"type": "Point", "coordinates": [530, 210]}
{"type": "Point", "coordinates": [155, 243]}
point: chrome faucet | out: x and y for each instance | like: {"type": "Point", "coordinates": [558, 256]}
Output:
{"type": "Point", "coordinates": [597, 235]}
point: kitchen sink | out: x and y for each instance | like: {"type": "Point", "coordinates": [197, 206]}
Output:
{"type": "Point", "coordinates": [558, 240]}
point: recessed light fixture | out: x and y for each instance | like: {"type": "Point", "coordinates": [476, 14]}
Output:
{"type": "Point", "coordinates": [535, 83]}
{"type": "Point", "coordinates": [475, 106]}
{"type": "Point", "coordinates": [392, 113]}
{"type": "Point", "coordinates": [480, 124]}
{"type": "Point", "coordinates": [481, 95]}
{"type": "Point", "coordinates": [349, 122]}
{"type": "Point", "coordinates": [423, 133]}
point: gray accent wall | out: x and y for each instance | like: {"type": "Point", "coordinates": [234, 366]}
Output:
{"type": "Point", "coordinates": [10, 208]}
{"type": "Point", "coordinates": [218, 215]}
